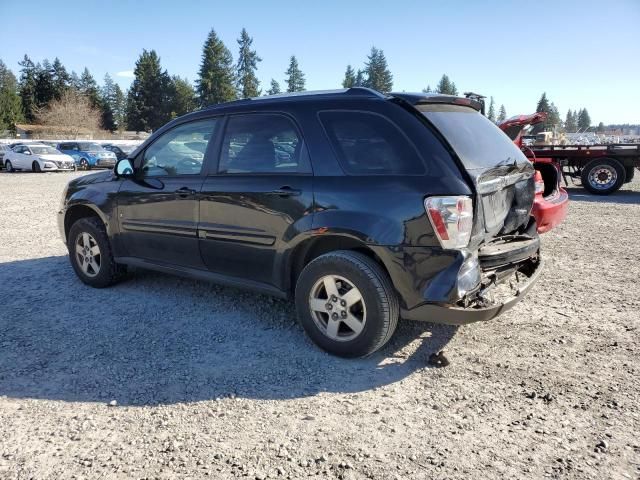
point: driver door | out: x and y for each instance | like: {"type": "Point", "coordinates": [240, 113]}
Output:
{"type": "Point", "coordinates": [158, 209]}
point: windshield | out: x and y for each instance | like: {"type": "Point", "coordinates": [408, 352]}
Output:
{"type": "Point", "coordinates": [479, 143]}
{"type": "Point", "coordinates": [90, 147]}
{"type": "Point", "coordinates": [42, 150]}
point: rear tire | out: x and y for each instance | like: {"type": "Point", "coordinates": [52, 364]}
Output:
{"type": "Point", "coordinates": [84, 164]}
{"type": "Point", "coordinates": [8, 166]}
{"type": "Point", "coordinates": [91, 255]}
{"type": "Point", "coordinates": [364, 298]}
{"type": "Point", "coordinates": [603, 176]}
{"type": "Point", "coordinates": [35, 167]}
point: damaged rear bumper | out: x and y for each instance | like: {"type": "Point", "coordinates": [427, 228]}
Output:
{"type": "Point", "coordinates": [486, 307]}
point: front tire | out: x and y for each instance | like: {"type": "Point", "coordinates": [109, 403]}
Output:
{"type": "Point", "coordinates": [84, 164]}
{"type": "Point", "coordinates": [346, 304]}
{"type": "Point", "coordinates": [91, 255]}
{"type": "Point", "coordinates": [602, 176]}
{"type": "Point", "coordinates": [35, 167]}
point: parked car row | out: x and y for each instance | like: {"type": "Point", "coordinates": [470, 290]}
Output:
{"type": "Point", "coordinates": [50, 156]}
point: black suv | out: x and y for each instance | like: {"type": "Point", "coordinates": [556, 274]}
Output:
{"type": "Point", "coordinates": [363, 207]}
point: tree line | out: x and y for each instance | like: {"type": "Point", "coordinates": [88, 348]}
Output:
{"type": "Point", "coordinates": [155, 96]}
{"type": "Point", "coordinates": [575, 120]}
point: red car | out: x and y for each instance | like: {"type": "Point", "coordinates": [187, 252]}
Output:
{"type": "Point", "coordinates": [550, 205]}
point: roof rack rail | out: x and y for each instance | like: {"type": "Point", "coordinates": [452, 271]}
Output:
{"type": "Point", "coordinates": [364, 91]}
{"type": "Point", "coordinates": [347, 91]}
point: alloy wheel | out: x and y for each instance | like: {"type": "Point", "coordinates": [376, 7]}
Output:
{"type": "Point", "coordinates": [338, 308]}
{"type": "Point", "coordinates": [88, 254]}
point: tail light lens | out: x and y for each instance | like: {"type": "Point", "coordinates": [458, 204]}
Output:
{"type": "Point", "coordinates": [452, 219]}
{"type": "Point", "coordinates": [539, 182]}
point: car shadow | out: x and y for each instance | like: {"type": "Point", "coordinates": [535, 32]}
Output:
{"type": "Point", "coordinates": [579, 194]}
{"type": "Point", "coordinates": [157, 339]}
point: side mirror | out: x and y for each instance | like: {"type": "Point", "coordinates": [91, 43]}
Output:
{"type": "Point", "coordinates": [124, 168]}
{"type": "Point", "coordinates": [27, 152]}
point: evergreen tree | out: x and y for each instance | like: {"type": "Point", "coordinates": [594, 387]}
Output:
{"type": "Point", "coordinates": [543, 104]}
{"type": "Point", "coordinates": [502, 115]}
{"type": "Point", "coordinates": [27, 88]}
{"type": "Point", "coordinates": [570, 123]}
{"type": "Point", "coordinates": [88, 86]}
{"type": "Point", "coordinates": [148, 107]}
{"type": "Point", "coordinates": [75, 80]}
{"type": "Point", "coordinates": [427, 90]}
{"type": "Point", "coordinates": [553, 119]}
{"type": "Point", "coordinates": [295, 78]}
{"type": "Point", "coordinates": [275, 88]}
{"type": "Point", "coordinates": [248, 84]}
{"type": "Point", "coordinates": [109, 104]}
{"type": "Point", "coordinates": [44, 84]}
{"type": "Point", "coordinates": [119, 108]}
{"type": "Point", "coordinates": [491, 115]}
{"type": "Point", "coordinates": [600, 128]}
{"type": "Point", "coordinates": [446, 86]}
{"type": "Point", "coordinates": [10, 105]}
{"type": "Point", "coordinates": [378, 75]}
{"type": "Point", "coordinates": [61, 79]}
{"type": "Point", "coordinates": [183, 97]}
{"type": "Point", "coordinates": [360, 79]}
{"type": "Point", "coordinates": [584, 120]}
{"type": "Point", "coordinates": [216, 82]}
{"type": "Point", "coordinates": [349, 77]}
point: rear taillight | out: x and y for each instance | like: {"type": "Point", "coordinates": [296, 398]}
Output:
{"type": "Point", "coordinates": [539, 182]}
{"type": "Point", "coordinates": [452, 219]}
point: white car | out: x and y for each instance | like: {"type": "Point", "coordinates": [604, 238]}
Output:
{"type": "Point", "coordinates": [37, 158]}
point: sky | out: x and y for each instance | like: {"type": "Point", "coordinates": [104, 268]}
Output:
{"type": "Point", "coordinates": [581, 53]}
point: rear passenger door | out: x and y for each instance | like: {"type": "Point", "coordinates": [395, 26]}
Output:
{"type": "Point", "coordinates": [257, 199]}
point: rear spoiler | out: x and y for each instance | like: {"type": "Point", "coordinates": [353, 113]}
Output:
{"type": "Point", "coordinates": [416, 99]}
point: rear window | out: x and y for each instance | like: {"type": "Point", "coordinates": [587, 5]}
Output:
{"type": "Point", "coordinates": [369, 144]}
{"type": "Point", "coordinates": [478, 142]}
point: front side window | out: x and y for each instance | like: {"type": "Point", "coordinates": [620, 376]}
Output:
{"type": "Point", "coordinates": [369, 144]}
{"type": "Point", "coordinates": [180, 151]}
{"type": "Point", "coordinates": [261, 143]}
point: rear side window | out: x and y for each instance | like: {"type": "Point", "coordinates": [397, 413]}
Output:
{"type": "Point", "coordinates": [262, 143]}
{"type": "Point", "coordinates": [369, 144]}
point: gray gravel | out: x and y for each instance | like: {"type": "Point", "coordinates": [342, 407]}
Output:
{"type": "Point", "coordinates": [161, 377]}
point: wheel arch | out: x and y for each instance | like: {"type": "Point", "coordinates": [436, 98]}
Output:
{"type": "Point", "coordinates": [78, 211]}
{"type": "Point", "coordinates": [311, 248]}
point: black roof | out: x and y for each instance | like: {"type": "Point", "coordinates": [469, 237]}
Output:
{"type": "Point", "coordinates": [354, 92]}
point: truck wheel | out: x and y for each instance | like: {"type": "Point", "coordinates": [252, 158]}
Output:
{"type": "Point", "coordinates": [603, 176]}
{"type": "Point", "coordinates": [346, 304]}
{"type": "Point", "coordinates": [630, 171]}
{"type": "Point", "coordinates": [90, 254]}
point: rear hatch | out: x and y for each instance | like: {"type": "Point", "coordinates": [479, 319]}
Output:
{"type": "Point", "coordinates": [501, 175]}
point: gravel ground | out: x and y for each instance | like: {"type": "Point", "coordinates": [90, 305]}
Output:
{"type": "Point", "coordinates": [161, 377]}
